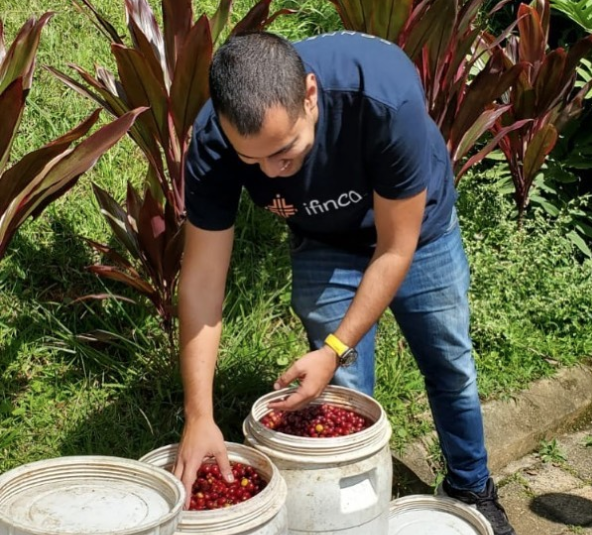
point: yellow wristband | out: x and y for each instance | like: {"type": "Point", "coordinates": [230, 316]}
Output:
{"type": "Point", "coordinates": [336, 344]}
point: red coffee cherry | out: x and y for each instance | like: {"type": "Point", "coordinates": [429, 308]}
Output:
{"type": "Point", "coordinates": [318, 421]}
{"type": "Point", "coordinates": [211, 491]}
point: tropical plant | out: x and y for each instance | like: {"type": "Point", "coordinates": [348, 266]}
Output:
{"type": "Point", "coordinates": [563, 187]}
{"type": "Point", "coordinates": [580, 11]}
{"type": "Point", "coordinates": [167, 70]}
{"type": "Point", "coordinates": [556, 190]}
{"type": "Point", "coordinates": [462, 74]}
{"type": "Point", "coordinates": [29, 185]}
{"type": "Point", "coordinates": [584, 73]}
{"type": "Point", "coordinates": [542, 97]}
{"type": "Point", "coordinates": [550, 452]}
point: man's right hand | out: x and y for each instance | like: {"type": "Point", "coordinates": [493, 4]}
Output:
{"type": "Point", "coordinates": [201, 439]}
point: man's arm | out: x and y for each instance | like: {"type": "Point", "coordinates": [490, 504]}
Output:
{"type": "Point", "coordinates": [398, 224]}
{"type": "Point", "coordinates": [202, 284]}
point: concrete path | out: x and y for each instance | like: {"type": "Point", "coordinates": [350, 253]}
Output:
{"type": "Point", "coordinates": [540, 454]}
{"type": "Point", "coordinates": [551, 495]}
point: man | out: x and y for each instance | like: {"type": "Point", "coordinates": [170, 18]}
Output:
{"type": "Point", "coordinates": [332, 134]}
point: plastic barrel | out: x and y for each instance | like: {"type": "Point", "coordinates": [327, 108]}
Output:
{"type": "Point", "coordinates": [427, 515]}
{"type": "Point", "coordinates": [339, 485]}
{"type": "Point", "coordinates": [263, 514]}
{"type": "Point", "coordinates": [89, 495]}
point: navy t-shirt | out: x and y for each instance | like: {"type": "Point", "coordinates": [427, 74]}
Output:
{"type": "Point", "coordinates": [373, 134]}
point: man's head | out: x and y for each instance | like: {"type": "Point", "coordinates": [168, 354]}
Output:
{"type": "Point", "coordinates": [266, 103]}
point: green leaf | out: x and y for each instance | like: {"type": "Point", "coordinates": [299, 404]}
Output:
{"type": "Point", "coordinates": [282, 361]}
{"type": "Point", "coordinates": [496, 156]}
{"type": "Point", "coordinates": [549, 208]}
{"type": "Point", "coordinates": [577, 240]}
{"type": "Point", "coordinates": [220, 19]}
{"type": "Point", "coordinates": [584, 228]}
{"type": "Point", "coordinates": [580, 11]}
{"type": "Point", "coordinates": [386, 18]}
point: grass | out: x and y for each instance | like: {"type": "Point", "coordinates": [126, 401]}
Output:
{"type": "Point", "coordinates": [99, 377]}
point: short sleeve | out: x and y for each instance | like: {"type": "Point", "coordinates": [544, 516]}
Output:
{"type": "Point", "coordinates": [212, 184]}
{"type": "Point", "coordinates": [398, 146]}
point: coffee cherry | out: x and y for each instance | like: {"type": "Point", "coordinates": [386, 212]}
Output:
{"type": "Point", "coordinates": [211, 491]}
{"type": "Point", "coordinates": [316, 421]}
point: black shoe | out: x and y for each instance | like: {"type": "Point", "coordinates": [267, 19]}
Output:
{"type": "Point", "coordinates": [486, 503]}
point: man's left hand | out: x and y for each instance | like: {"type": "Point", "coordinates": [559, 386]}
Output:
{"type": "Point", "coordinates": [313, 371]}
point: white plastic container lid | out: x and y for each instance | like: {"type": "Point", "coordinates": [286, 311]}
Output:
{"type": "Point", "coordinates": [89, 495]}
{"type": "Point", "coordinates": [428, 515]}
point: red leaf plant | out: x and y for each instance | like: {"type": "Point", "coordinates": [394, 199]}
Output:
{"type": "Point", "coordinates": [29, 185]}
{"type": "Point", "coordinates": [543, 97]}
{"type": "Point", "coordinates": [463, 75]}
{"type": "Point", "coordinates": [166, 70]}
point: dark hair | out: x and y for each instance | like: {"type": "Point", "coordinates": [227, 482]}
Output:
{"type": "Point", "coordinates": [252, 72]}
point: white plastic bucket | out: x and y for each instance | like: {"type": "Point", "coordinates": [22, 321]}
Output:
{"type": "Point", "coordinates": [339, 485]}
{"type": "Point", "coordinates": [263, 514]}
{"type": "Point", "coordinates": [89, 495]}
{"type": "Point", "coordinates": [430, 515]}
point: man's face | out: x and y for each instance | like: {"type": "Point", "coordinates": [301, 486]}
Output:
{"type": "Point", "coordinates": [282, 144]}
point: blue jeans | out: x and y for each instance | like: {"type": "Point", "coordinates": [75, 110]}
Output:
{"type": "Point", "coordinates": [432, 311]}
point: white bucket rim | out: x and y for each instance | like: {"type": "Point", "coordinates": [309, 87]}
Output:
{"type": "Point", "coordinates": [444, 504]}
{"type": "Point", "coordinates": [321, 450]}
{"type": "Point", "coordinates": [274, 495]}
{"type": "Point", "coordinates": [96, 461]}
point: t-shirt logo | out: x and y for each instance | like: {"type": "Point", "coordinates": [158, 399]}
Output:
{"type": "Point", "coordinates": [281, 208]}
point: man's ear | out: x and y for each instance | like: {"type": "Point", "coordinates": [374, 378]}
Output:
{"type": "Point", "coordinates": [312, 92]}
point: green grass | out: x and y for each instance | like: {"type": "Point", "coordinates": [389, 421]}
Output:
{"type": "Point", "coordinates": [99, 376]}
